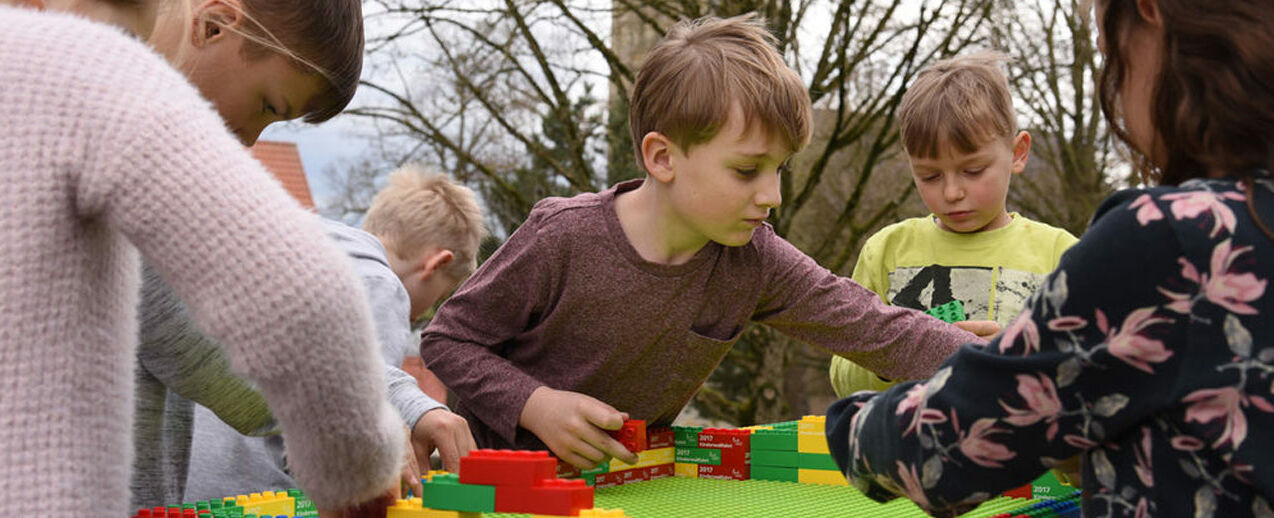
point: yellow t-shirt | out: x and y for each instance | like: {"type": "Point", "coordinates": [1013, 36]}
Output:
{"type": "Point", "coordinates": [915, 264]}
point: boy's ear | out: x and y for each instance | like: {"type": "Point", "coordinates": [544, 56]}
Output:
{"type": "Point", "coordinates": [434, 261]}
{"type": "Point", "coordinates": [1021, 151]}
{"type": "Point", "coordinates": [211, 18]}
{"type": "Point", "coordinates": [1149, 11]}
{"type": "Point", "coordinates": [656, 154]}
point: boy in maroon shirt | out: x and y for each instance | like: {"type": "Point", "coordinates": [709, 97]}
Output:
{"type": "Point", "coordinates": [630, 297]}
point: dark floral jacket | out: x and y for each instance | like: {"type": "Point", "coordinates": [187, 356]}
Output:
{"type": "Point", "coordinates": [1150, 351]}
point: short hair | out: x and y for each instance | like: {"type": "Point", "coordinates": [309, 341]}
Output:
{"type": "Point", "coordinates": [420, 209]}
{"type": "Point", "coordinates": [959, 103]}
{"type": "Point", "coordinates": [321, 36]}
{"type": "Point", "coordinates": [702, 69]}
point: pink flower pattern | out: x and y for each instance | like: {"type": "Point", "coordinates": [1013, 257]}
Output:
{"type": "Point", "coordinates": [1129, 345]}
{"type": "Point", "coordinates": [1207, 370]}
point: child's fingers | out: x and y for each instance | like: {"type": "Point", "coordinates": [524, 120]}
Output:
{"type": "Point", "coordinates": [983, 328]}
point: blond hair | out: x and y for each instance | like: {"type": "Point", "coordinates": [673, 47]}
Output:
{"type": "Point", "coordinates": [959, 103]}
{"type": "Point", "coordinates": [702, 69]}
{"type": "Point", "coordinates": [419, 210]}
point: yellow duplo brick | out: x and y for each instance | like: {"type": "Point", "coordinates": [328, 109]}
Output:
{"type": "Point", "coordinates": [824, 477]}
{"type": "Point", "coordinates": [646, 458]}
{"type": "Point", "coordinates": [810, 434]}
{"type": "Point", "coordinates": [268, 503]}
{"type": "Point", "coordinates": [433, 472]}
{"type": "Point", "coordinates": [413, 509]}
{"type": "Point", "coordinates": [682, 469]}
{"type": "Point", "coordinates": [602, 513]}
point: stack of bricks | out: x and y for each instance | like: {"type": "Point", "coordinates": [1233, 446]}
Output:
{"type": "Point", "coordinates": [719, 453]}
{"type": "Point", "coordinates": [654, 449]}
{"type": "Point", "coordinates": [501, 481]}
{"type": "Point", "coordinates": [774, 452]}
{"type": "Point", "coordinates": [256, 505]}
{"type": "Point", "coordinates": [814, 461]}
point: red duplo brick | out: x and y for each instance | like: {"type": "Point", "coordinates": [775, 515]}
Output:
{"type": "Point", "coordinates": [662, 471]}
{"type": "Point", "coordinates": [660, 437]}
{"type": "Point", "coordinates": [1019, 492]}
{"type": "Point", "coordinates": [632, 435]}
{"type": "Point", "coordinates": [724, 472]}
{"type": "Point", "coordinates": [635, 475]}
{"type": "Point", "coordinates": [565, 470]}
{"type": "Point", "coordinates": [735, 444]}
{"type": "Point", "coordinates": [549, 496]}
{"type": "Point", "coordinates": [607, 480]}
{"type": "Point", "coordinates": [507, 467]}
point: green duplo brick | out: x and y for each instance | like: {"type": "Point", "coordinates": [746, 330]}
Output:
{"type": "Point", "coordinates": [775, 473]}
{"type": "Point", "coordinates": [950, 312]}
{"type": "Point", "coordinates": [774, 440]}
{"type": "Point", "coordinates": [686, 436]}
{"type": "Point", "coordinates": [698, 456]}
{"type": "Point", "coordinates": [814, 461]}
{"type": "Point", "coordinates": [447, 493]}
{"type": "Point", "coordinates": [601, 468]}
{"type": "Point", "coordinates": [784, 459]}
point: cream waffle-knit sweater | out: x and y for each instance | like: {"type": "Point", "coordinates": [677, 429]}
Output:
{"type": "Point", "coordinates": [105, 151]}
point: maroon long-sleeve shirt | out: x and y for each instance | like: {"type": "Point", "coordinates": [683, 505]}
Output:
{"type": "Point", "coordinates": [567, 302]}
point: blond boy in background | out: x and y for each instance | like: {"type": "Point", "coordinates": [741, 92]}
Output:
{"type": "Point", "coordinates": [960, 133]}
{"type": "Point", "coordinates": [418, 242]}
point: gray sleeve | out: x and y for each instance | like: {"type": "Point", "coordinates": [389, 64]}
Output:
{"type": "Point", "coordinates": [391, 313]}
{"type": "Point", "coordinates": [175, 351]}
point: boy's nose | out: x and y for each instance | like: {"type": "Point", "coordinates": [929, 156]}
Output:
{"type": "Point", "coordinates": [770, 194]}
{"type": "Point", "coordinates": [953, 191]}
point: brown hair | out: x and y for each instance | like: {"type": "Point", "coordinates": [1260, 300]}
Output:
{"type": "Point", "coordinates": [959, 103]}
{"type": "Point", "coordinates": [325, 36]}
{"type": "Point", "coordinates": [702, 69]}
{"type": "Point", "coordinates": [1213, 102]}
{"type": "Point", "coordinates": [419, 209]}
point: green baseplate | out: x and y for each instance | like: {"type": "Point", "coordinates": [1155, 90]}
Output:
{"type": "Point", "coordinates": [677, 497]}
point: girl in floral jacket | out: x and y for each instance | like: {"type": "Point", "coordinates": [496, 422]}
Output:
{"type": "Point", "coordinates": [1150, 351]}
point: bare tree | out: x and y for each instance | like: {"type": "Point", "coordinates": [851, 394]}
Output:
{"type": "Point", "coordinates": [1054, 73]}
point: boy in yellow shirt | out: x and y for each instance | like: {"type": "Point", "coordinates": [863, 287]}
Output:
{"type": "Point", "coordinates": [960, 133]}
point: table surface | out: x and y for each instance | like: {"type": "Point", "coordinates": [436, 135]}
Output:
{"type": "Point", "coordinates": [706, 498]}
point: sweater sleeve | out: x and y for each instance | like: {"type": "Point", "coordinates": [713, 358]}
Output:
{"type": "Point", "coordinates": [1081, 365]}
{"type": "Point", "coordinates": [500, 301]}
{"type": "Point", "coordinates": [255, 270]}
{"type": "Point", "coordinates": [807, 302]}
{"type": "Point", "coordinates": [391, 312]}
{"type": "Point", "coordinates": [189, 362]}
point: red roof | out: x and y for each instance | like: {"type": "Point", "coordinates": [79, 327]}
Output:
{"type": "Point", "coordinates": [282, 159]}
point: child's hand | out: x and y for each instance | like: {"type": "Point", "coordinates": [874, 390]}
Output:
{"type": "Point", "coordinates": [447, 432]}
{"type": "Point", "coordinates": [572, 425]}
{"type": "Point", "coordinates": [411, 470]}
{"type": "Point", "coordinates": [985, 329]}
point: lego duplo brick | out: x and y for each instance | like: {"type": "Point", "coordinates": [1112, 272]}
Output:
{"type": "Point", "coordinates": [660, 437]}
{"type": "Point", "coordinates": [662, 470]}
{"type": "Point", "coordinates": [601, 513]}
{"type": "Point", "coordinates": [732, 442]}
{"type": "Point", "coordinates": [780, 474]}
{"type": "Point", "coordinates": [686, 436]}
{"type": "Point", "coordinates": [684, 469]}
{"type": "Point", "coordinates": [698, 456]}
{"type": "Point", "coordinates": [506, 467]}
{"type": "Point", "coordinates": [950, 312]}
{"type": "Point", "coordinates": [266, 502]}
{"type": "Point", "coordinates": [816, 461]}
{"type": "Point", "coordinates": [632, 435]}
{"type": "Point", "coordinates": [821, 476]}
{"type": "Point", "coordinates": [646, 458]}
{"type": "Point", "coordinates": [561, 497]}
{"type": "Point", "coordinates": [730, 472]}
{"type": "Point", "coordinates": [810, 435]}
{"type": "Point", "coordinates": [446, 492]}
{"type": "Point", "coordinates": [413, 508]}
{"type": "Point", "coordinates": [785, 459]}
{"type": "Point", "coordinates": [774, 440]}
{"type": "Point", "coordinates": [618, 478]}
